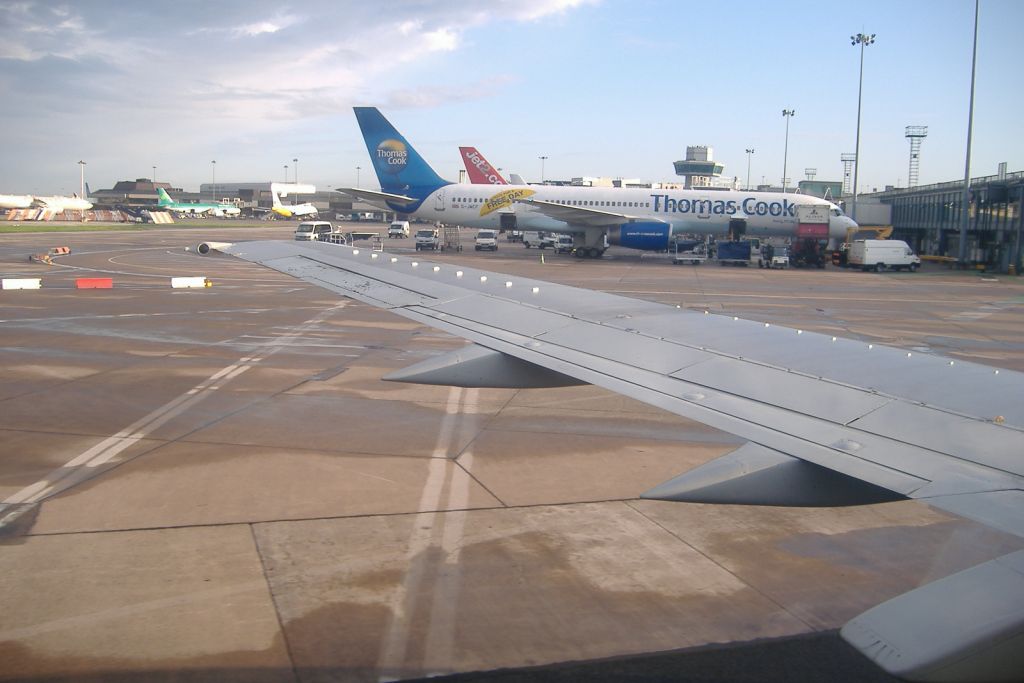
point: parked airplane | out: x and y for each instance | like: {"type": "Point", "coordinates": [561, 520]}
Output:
{"type": "Point", "coordinates": [480, 171]}
{"type": "Point", "coordinates": [291, 210]}
{"type": "Point", "coordinates": [635, 218]}
{"type": "Point", "coordinates": [195, 209]}
{"type": "Point", "coordinates": [15, 201]}
{"type": "Point", "coordinates": [60, 203]}
{"type": "Point", "coordinates": [828, 421]}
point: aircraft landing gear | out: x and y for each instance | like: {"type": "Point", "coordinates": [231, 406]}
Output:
{"type": "Point", "coordinates": [588, 252]}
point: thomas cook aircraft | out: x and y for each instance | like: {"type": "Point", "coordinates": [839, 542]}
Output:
{"type": "Point", "coordinates": [635, 218]}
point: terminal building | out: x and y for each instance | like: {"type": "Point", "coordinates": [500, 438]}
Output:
{"type": "Point", "coordinates": [928, 218]}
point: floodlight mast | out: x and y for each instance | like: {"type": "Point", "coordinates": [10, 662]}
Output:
{"type": "Point", "coordinates": [863, 40]}
{"type": "Point", "coordinates": [787, 114]}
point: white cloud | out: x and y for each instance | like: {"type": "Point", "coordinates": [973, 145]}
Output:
{"type": "Point", "coordinates": [278, 23]}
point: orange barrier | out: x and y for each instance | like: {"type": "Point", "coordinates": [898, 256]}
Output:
{"type": "Point", "coordinates": [94, 283]}
{"type": "Point", "coordinates": [57, 251]}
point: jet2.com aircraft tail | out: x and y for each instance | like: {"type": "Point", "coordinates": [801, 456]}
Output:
{"type": "Point", "coordinates": [400, 169]}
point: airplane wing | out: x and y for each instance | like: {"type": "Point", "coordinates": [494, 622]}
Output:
{"type": "Point", "coordinates": [375, 197]}
{"type": "Point", "coordinates": [583, 215]}
{"type": "Point", "coordinates": [829, 421]}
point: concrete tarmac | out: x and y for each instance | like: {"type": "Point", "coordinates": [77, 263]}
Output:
{"type": "Point", "coordinates": [215, 484]}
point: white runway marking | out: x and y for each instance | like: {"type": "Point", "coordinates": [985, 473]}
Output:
{"type": "Point", "coordinates": [431, 521]}
{"type": "Point", "coordinates": [80, 467]}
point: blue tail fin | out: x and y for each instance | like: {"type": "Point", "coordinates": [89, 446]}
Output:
{"type": "Point", "coordinates": [400, 169]}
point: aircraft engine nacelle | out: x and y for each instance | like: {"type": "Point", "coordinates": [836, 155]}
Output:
{"type": "Point", "coordinates": [650, 236]}
{"type": "Point", "coordinates": [204, 248]}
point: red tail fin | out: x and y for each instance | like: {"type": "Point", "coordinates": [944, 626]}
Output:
{"type": "Point", "coordinates": [480, 171]}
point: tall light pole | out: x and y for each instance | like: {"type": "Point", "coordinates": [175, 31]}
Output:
{"type": "Point", "coordinates": [863, 40]}
{"type": "Point", "coordinates": [787, 114]}
{"type": "Point", "coordinates": [750, 152]}
{"type": "Point", "coordinates": [81, 167]}
{"type": "Point", "coordinates": [542, 160]}
{"type": "Point", "coordinates": [358, 168]}
{"type": "Point", "coordinates": [213, 177]}
{"type": "Point", "coordinates": [296, 169]}
{"type": "Point", "coordinates": [966, 197]}
{"type": "Point", "coordinates": [154, 175]}
{"type": "Point", "coordinates": [286, 174]}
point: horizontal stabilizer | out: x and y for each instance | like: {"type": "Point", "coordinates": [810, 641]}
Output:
{"type": "Point", "coordinates": [756, 475]}
{"type": "Point", "coordinates": [475, 366]}
{"type": "Point", "coordinates": [965, 627]}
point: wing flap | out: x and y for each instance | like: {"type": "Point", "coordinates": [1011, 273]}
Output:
{"type": "Point", "coordinates": [1003, 510]}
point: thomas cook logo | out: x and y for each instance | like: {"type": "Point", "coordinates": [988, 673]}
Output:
{"type": "Point", "coordinates": [392, 156]}
{"type": "Point", "coordinates": [503, 199]}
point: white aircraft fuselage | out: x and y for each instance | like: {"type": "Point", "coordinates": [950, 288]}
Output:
{"type": "Point", "coordinates": [15, 201]}
{"type": "Point", "coordinates": [64, 203]}
{"type": "Point", "coordinates": [701, 212]}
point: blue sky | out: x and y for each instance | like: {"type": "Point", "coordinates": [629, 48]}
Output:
{"type": "Point", "coordinates": [601, 88]}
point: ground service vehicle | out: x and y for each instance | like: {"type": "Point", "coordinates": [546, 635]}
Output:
{"type": "Point", "coordinates": [774, 257]}
{"type": "Point", "coordinates": [309, 231]}
{"type": "Point", "coordinates": [486, 239]}
{"type": "Point", "coordinates": [693, 252]}
{"type": "Point", "coordinates": [808, 252]}
{"type": "Point", "coordinates": [539, 239]}
{"type": "Point", "coordinates": [398, 229]}
{"type": "Point", "coordinates": [426, 238]}
{"type": "Point", "coordinates": [840, 256]}
{"type": "Point", "coordinates": [563, 244]}
{"type": "Point", "coordinates": [739, 252]}
{"type": "Point", "coordinates": [879, 255]}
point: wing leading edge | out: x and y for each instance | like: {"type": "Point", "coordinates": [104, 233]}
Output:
{"type": "Point", "coordinates": [855, 422]}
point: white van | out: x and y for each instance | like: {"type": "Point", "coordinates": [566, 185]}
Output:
{"type": "Point", "coordinates": [486, 239]}
{"type": "Point", "coordinates": [309, 231]}
{"type": "Point", "coordinates": [398, 229]}
{"type": "Point", "coordinates": [563, 244]}
{"type": "Point", "coordinates": [538, 238]}
{"type": "Point", "coordinates": [426, 238]}
{"type": "Point", "coordinates": [879, 255]}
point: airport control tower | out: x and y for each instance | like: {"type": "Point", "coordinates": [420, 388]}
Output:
{"type": "Point", "coordinates": [699, 169]}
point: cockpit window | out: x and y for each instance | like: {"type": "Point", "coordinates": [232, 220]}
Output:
{"type": "Point", "coordinates": [837, 212]}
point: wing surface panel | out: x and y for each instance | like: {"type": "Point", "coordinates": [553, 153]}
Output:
{"type": "Point", "coordinates": [955, 386]}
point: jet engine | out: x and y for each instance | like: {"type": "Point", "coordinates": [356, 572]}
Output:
{"type": "Point", "coordinates": [650, 236]}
